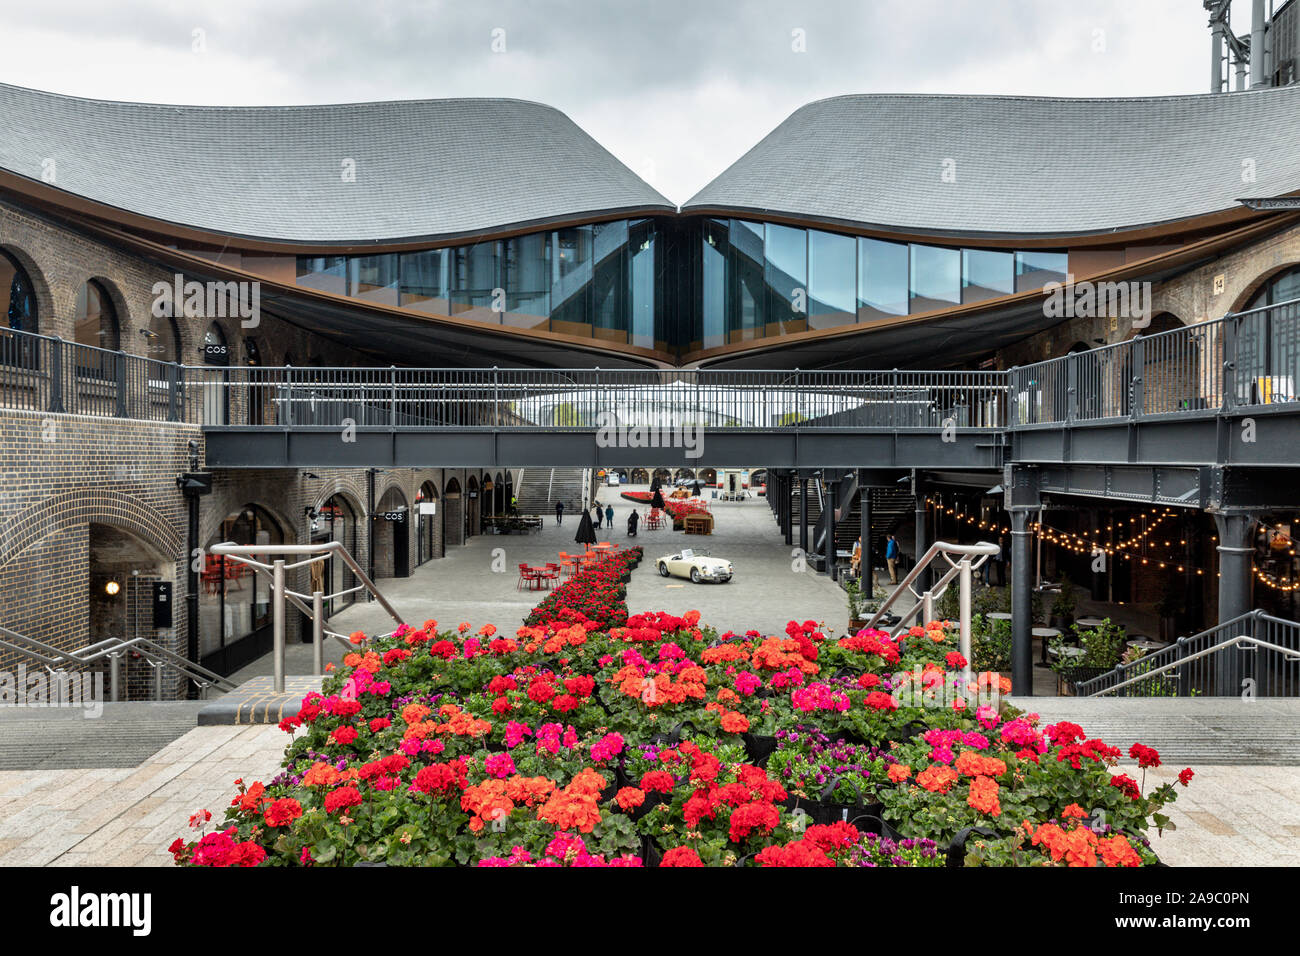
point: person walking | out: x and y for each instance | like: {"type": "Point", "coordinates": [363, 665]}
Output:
{"type": "Point", "coordinates": [891, 558]}
{"type": "Point", "coordinates": [596, 514]}
{"type": "Point", "coordinates": [609, 515]}
{"type": "Point", "coordinates": [559, 511]}
{"type": "Point", "coordinates": [632, 520]}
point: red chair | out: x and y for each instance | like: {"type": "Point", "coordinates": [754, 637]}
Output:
{"type": "Point", "coordinates": [527, 576]}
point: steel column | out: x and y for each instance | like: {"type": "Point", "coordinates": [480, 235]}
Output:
{"type": "Point", "coordinates": [830, 496]}
{"type": "Point", "coordinates": [1236, 567]}
{"type": "Point", "coordinates": [1022, 644]}
{"type": "Point", "coordinates": [803, 516]}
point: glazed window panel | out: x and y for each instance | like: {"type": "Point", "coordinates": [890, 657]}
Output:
{"type": "Point", "coordinates": [986, 274]}
{"type": "Point", "coordinates": [882, 279]}
{"type": "Point", "coordinates": [527, 272]}
{"type": "Point", "coordinates": [474, 280]}
{"type": "Point", "coordinates": [786, 275]}
{"type": "Point", "coordinates": [324, 273]}
{"type": "Point", "coordinates": [747, 293]}
{"type": "Point", "coordinates": [715, 245]}
{"type": "Point", "coordinates": [610, 281]}
{"type": "Point", "coordinates": [571, 273]}
{"type": "Point", "coordinates": [423, 281]}
{"type": "Point", "coordinates": [641, 282]}
{"type": "Point", "coordinates": [832, 279]}
{"type": "Point", "coordinates": [935, 278]}
{"type": "Point", "coordinates": [373, 278]}
{"type": "Point", "coordinates": [1035, 269]}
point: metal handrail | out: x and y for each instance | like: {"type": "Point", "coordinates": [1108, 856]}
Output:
{"type": "Point", "coordinates": [157, 656]}
{"type": "Point", "coordinates": [1238, 641]}
{"type": "Point", "coordinates": [961, 569]}
{"type": "Point", "coordinates": [1177, 654]}
{"type": "Point", "coordinates": [248, 554]}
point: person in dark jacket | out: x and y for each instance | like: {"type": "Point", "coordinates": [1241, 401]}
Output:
{"type": "Point", "coordinates": [609, 515]}
{"type": "Point", "coordinates": [632, 520]}
{"type": "Point", "coordinates": [595, 514]}
{"type": "Point", "coordinates": [559, 511]}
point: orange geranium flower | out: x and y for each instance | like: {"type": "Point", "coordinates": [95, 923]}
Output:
{"type": "Point", "coordinates": [973, 764]}
{"type": "Point", "coordinates": [899, 772]}
{"type": "Point", "coordinates": [984, 796]}
{"type": "Point", "coordinates": [414, 713]}
{"type": "Point", "coordinates": [937, 779]}
{"type": "Point", "coordinates": [735, 723]}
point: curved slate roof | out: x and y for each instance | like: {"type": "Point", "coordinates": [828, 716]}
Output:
{"type": "Point", "coordinates": [1024, 165]}
{"type": "Point", "coordinates": [424, 168]}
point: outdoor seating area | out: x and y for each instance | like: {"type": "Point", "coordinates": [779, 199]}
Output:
{"type": "Point", "coordinates": [549, 575]}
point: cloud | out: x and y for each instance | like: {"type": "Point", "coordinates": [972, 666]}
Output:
{"type": "Point", "coordinates": [677, 90]}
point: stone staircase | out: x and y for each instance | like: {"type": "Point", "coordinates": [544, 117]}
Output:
{"type": "Point", "coordinates": [124, 735]}
{"type": "Point", "coordinates": [540, 488]}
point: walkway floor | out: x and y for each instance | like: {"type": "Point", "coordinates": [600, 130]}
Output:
{"type": "Point", "coordinates": [128, 816]}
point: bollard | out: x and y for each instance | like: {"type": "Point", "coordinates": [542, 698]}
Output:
{"type": "Point", "coordinates": [277, 623]}
{"type": "Point", "coordinates": [963, 613]}
{"type": "Point", "coordinates": [318, 633]}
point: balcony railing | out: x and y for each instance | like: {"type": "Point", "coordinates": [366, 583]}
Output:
{"type": "Point", "coordinates": [1249, 359]}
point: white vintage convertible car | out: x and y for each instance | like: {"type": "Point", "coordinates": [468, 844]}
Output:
{"type": "Point", "coordinates": [697, 567]}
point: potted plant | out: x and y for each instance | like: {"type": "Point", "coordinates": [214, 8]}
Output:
{"type": "Point", "coordinates": [1063, 606]}
{"type": "Point", "coordinates": [857, 610]}
{"type": "Point", "coordinates": [1102, 646]}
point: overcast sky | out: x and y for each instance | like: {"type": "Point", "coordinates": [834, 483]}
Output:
{"type": "Point", "coordinates": [677, 90]}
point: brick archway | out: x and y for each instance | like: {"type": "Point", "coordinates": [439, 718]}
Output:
{"type": "Point", "coordinates": [87, 506]}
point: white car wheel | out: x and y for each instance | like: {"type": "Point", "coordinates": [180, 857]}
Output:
{"type": "Point", "coordinates": [695, 575]}
{"type": "Point", "coordinates": [663, 569]}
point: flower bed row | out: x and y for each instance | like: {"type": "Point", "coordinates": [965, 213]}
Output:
{"type": "Point", "coordinates": [677, 508]}
{"type": "Point", "coordinates": [591, 737]}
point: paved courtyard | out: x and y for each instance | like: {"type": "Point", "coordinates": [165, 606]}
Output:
{"type": "Point", "coordinates": [477, 582]}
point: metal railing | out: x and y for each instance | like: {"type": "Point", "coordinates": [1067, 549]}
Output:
{"type": "Point", "coordinates": [968, 558]}
{"type": "Point", "coordinates": [253, 556]}
{"type": "Point", "coordinates": [161, 659]}
{"type": "Point", "coordinates": [591, 398]}
{"type": "Point", "coordinates": [1253, 654]}
{"type": "Point", "coordinates": [1248, 358]}
{"type": "Point", "coordinates": [47, 374]}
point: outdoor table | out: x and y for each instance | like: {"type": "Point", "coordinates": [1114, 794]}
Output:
{"type": "Point", "coordinates": [1045, 634]}
{"type": "Point", "coordinates": [999, 616]}
{"type": "Point", "coordinates": [1147, 644]}
{"type": "Point", "coordinates": [1070, 652]}
{"type": "Point", "coordinates": [1090, 621]}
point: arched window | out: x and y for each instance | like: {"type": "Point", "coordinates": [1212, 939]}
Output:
{"type": "Point", "coordinates": [215, 350]}
{"type": "Point", "coordinates": [163, 339]}
{"type": "Point", "coordinates": [17, 296]}
{"type": "Point", "coordinates": [95, 318]}
{"type": "Point", "coordinates": [1268, 357]}
{"type": "Point", "coordinates": [1283, 287]}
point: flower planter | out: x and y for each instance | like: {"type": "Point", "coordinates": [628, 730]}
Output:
{"type": "Point", "coordinates": [826, 810]}
{"type": "Point", "coordinates": [759, 747]}
{"type": "Point", "coordinates": [956, 848]}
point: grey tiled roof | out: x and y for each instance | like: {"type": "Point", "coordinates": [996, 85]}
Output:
{"type": "Point", "coordinates": [1023, 165]}
{"type": "Point", "coordinates": [424, 168]}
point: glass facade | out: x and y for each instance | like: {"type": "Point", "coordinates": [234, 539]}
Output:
{"type": "Point", "coordinates": [683, 285]}
{"type": "Point", "coordinates": [752, 280]}
{"type": "Point", "coordinates": [593, 281]}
